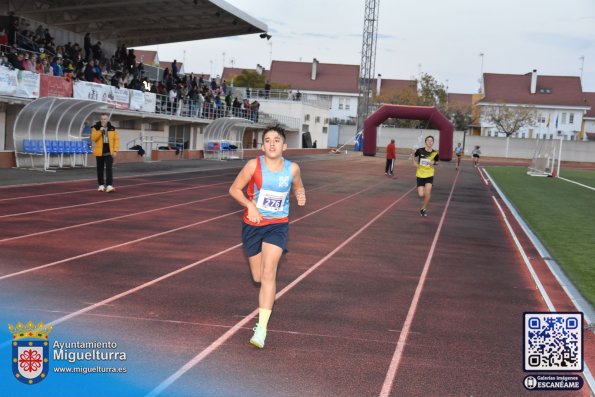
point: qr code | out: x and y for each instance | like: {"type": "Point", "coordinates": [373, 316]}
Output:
{"type": "Point", "coordinates": [553, 341]}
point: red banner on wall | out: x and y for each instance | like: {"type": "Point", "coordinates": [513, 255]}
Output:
{"type": "Point", "coordinates": [55, 86]}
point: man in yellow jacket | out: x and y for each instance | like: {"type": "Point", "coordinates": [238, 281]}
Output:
{"type": "Point", "coordinates": [106, 142]}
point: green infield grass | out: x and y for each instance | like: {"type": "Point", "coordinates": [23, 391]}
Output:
{"type": "Point", "coordinates": [561, 215]}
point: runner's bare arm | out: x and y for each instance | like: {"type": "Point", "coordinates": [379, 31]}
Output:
{"type": "Point", "coordinates": [298, 185]}
{"type": "Point", "coordinates": [237, 191]}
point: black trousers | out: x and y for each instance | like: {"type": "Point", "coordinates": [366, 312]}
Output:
{"type": "Point", "coordinates": [390, 165]}
{"type": "Point", "coordinates": [105, 162]}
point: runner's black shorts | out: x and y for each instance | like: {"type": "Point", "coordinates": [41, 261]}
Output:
{"type": "Point", "coordinates": [424, 181]}
{"type": "Point", "coordinates": [254, 236]}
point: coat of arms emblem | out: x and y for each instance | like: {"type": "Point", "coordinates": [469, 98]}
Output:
{"type": "Point", "coordinates": [30, 351]}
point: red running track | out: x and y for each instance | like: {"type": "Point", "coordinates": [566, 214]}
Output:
{"type": "Point", "coordinates": [373, 299]}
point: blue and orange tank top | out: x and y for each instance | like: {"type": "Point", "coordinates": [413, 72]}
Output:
{"type": "Point", "coordinates": [269, 191]}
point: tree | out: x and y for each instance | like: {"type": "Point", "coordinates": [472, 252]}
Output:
{"type": "Point", "coordinates": [249, 78]}
{"type": "Point", "coordinates": [510, 119]}
{"type": "Point", "coordinates": [430, 93]}
{"type": "Point", "coordinates": [461, 116]}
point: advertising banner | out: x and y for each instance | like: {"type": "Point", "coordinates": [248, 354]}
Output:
{"type": "Point", "coordinates": [54, 86]}
{"type": "Point", "coordinates": [119, 97]}
{"type": "Point", "coordinates": [92, 91]}
{"type": "Point", "coordinates": [8, 81]}
{"type": "Point", "coordinates": [27, 84]}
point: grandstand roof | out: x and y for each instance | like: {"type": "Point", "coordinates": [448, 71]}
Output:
{"type": "Point", "coordinates": [142, 22]}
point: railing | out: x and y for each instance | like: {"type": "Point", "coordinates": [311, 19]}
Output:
{"type": "Point", "coordinates": [206, 110]}
{"type": "Point", "coordinates": [318, 100]}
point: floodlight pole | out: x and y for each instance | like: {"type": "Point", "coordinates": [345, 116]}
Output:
{"type": "Point", "coordinates": [368, 62]}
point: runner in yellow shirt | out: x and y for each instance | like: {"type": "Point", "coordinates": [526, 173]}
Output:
{"type": "Point", "coordinates": [425, 159]}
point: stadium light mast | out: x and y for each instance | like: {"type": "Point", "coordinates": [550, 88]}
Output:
{"type": "Point", "coordinates": [368, 61]}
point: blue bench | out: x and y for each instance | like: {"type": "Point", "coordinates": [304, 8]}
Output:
{"type": "Point", "coordinates": [58, 148]}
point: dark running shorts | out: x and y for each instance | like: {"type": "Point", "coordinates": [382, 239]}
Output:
{"type": "Point", "coordinates": [254, 236]}
{"type": "Point", "coordinates": [423, 181]}
{"type": "Point", "coordinates": [476, 155]}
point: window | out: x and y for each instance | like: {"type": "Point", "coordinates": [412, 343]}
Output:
{"type": "Point", "coordinates": [317, 119]}
{"type": "Point", "coordinates": [347, 104]}
{"type": "Point", "coordinates": [305, 128]}
{"type": "Point", "coordinates": [307, 117]}
{"type": "Point", "coordinates": [571, 118]}
{"type": "Point", "coordinates": [341, 103]}
{"type": "Point", "coordinates": [324, 130]}
{"type": "Point", "coordinates": [541, 119]}
{"type": "Point", "coordinates": [326, 120]}
{"type": "Point", "coordinates": [563, 118]}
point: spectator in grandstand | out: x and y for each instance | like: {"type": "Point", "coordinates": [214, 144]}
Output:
{"type": "Point", "coordinates": [267, 90]}
{"type": "Point", "coordinates": [224, 87]}
{"type": "Point", "coordinates": [425, 159]}
{"type": "Point", "coordinates": [3, 37]}
{"type": "Point", "coordinates": [236, 107]}
{"type": "Point", "coordinates": [173, 99]}
{"type": "Point", "coordinates": [476, 153]}
{"type": "Point", "coordinates": [200, 104]}
{"type": "Point", "coordinates": [174, 69]}
{"type": "Point", "coordinates": [17, 62]}
{"type": "Point", "coordinates": [315, 144]}
{"type": "Point", "coordinates": [87, 46]}
{"type": "Point", "coordinates": [97, 51]}
{"type": "Point", "coordinates": [269, 178]}
{"type": "Point", "coordinates": [106, 142]}
{"type": "Point", "coordinates": [44, 67]}
{"type": "Point", "coordinates": [130, 60]}
{"type": "Point", "coordinates": [57, 66]}
{"type": "Point", "coordinates": [90, 71]}
{"type": "Point", "coordinates": [391, 156]}
{"type": "Point", "coordinates": [26, 63]}
{"type": "Point", "coordinates": [458, 153]}
{"type": "Point", "coordinates": [254, 108]}
{"type": "Point", "coordinates": [34, 62]}
{"type": "Point", "coordinates": [98, 73]}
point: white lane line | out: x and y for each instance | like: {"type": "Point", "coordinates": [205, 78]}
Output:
{"type": "Point", "coordinates": [481, 174]}
{"type": "Point", "coordinates": [398, 354]}
{"type": "Point", "coordinates": [576, 183]}
{"type": "Point", "coordinates": [586, 371]}
{"type": "Point", "coordinates": [168, 275]}
{"type": "Point", "coordinates": [120, 187]}
{"type": "Point", "coordinates": [109, 219]}
{"type": "Point", "coordinates": [111, 200]}
{"type": "Point", "coordinates": [546, 298]}
{"type": "Point", "coordinates": [10, 275]}
{"type": "Point", "coordinates": [233, 330]}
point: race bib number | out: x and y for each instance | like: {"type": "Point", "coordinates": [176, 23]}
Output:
{"type": "Point", "coordinates": [425, 162]}
{"type": "Point", "coordinates": [271, 201]}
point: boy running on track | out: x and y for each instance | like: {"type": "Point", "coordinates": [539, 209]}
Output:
{"type": "Point", "coordinates": [425, 159]}
{"type": "Point", "coordinates": [391, 156]}
{"type": "Point", "coordinates": [459, 153]}
{"type": "Point", "coordinates": [476, 153]}
{"type": "Point", "coordinates": [264, 232]}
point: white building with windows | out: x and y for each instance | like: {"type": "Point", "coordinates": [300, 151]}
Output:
{"type": "Point", "coordinates": [558, 102]}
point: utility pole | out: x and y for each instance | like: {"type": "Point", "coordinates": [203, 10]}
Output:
{"type": "Point", "coordinates": [368, 61]}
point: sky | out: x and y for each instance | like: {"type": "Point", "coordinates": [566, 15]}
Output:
{"type": "Point", "coordinates": [441, 38]}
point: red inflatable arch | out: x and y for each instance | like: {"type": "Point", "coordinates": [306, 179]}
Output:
{"type": "Point", "coordinates": [429, 113]}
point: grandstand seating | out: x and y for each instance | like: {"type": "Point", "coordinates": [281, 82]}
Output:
{"type": "Point", "coordinates": [57, 148]}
